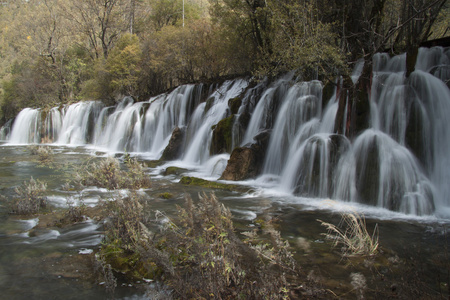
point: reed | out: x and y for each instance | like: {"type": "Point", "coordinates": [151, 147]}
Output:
{"type": "Point", "coordinates": [352, 234]}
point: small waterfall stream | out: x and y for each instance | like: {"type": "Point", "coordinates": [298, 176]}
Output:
{"type": "Point", "coordinates": [400, 163]}
{"type": "Point", "coordinates": [27, 127]}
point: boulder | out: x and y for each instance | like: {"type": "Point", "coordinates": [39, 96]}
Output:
{"type": "Point", "coordinates": [175, 147]}
{"type": "Point", "coordinates": [247, 162]}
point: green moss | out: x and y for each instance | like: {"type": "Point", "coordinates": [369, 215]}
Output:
{"type": "Point", "coordinates": [165, 196]}
{"type": "Point", "coordinates": [223, 136]}
{"type": "Point", "coordinates": [174, 171]}
{"type": "Point", "coordinates": [154, 163]}
{"type": "Point", "coordinates": [234, 104]}
{"type": "Point", "coordinates": [207, 184]}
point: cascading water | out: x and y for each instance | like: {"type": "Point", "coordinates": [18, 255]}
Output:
{"type": "Point", "coordinates": [53, 124]}
{"type": "Point", "coordinates": [5, 131]}
{"type": "Point", "coordinates": [263, 114]}
{"type": "Point", "coordinates": [78, 123]}
{"type": "Point", "coordinates": [302, 103]}
{"type": "Point", "coordinates": [207, 115]}
{"type": "Point", "coordinates": [379, 171]}
{"type": "Point", "coordinates": [27, 127]}
{"type": "Point", "coordinates": [400, 163]}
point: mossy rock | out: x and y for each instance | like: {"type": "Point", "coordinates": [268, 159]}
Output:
{"type": "Point", "coordinates": [130, 264]}
{"type": "Point", "coordinates": [207, 184]}
{"type": "Point", "coordinates": [165, 195]}
{"type": "Point", "coordinates": [154, 163]}
{"type": "Point", "coordinates": [174, 171]}
{"type": "Point", "coordinates": [222, 136]}
{"type": "Point", "coordinates": [234, 104]}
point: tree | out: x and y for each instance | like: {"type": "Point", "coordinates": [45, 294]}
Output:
{"type": "Point", "coordinates": [101, 22]}
{"type": "Point", "coordinates": [247, 21]}
{"type": "Point", "coordinates": [285, 35]}
{"type": "Point", "coordinates": [123, 65]}
{"type": "Point", "coordinates": [302, 42]}
{"type": "Point", "coordinates": [165, 13]}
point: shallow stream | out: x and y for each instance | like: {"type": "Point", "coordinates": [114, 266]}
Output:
{"type": "Point", "coordinates": [42, 261]}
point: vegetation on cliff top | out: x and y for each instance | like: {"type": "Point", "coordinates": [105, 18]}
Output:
{"type": "Point", "coordinates": [60, 51]}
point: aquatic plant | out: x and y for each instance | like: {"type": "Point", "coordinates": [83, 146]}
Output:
{"type": "Point", "coordinates": [107, 173]}
{"type": "Point", "coordinates": [108, 280]}
{"type": "Point", "coordinates": [73, 213]}
{"type": "Point", "coordinates": [44, 153]}
{"type": "Point", "coordinates": [29, 198]}
{"type": "Point", "coordinates": [353, 235]}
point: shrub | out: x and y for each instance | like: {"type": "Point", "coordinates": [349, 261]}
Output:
{"type": "Point", "coordinates": [108, 174]}
{"type": "Point", "coordinates": [73, 214]}
{"type": "Point", "coordinates": [200, 256]}
{"type": "Point", "coordinates": [354, 237]}
{"type": "Point", "coordinates": [30, 198]}
{"type": "Point", "coordinates": [44, 153]}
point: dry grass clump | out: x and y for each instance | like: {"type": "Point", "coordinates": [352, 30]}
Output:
{"type": "Point", "coordinates": [108, 174]}
{"type": "Point", "coordinates": [199, 256]}
{"type": "Point", "coordinates": [29, 198]}
{"type": "Point", "coordinates": [44, 153]}
{"type": "Point", "coordinates": [352, 234]}
{"type": "Point", "coordinates": [73, 214]}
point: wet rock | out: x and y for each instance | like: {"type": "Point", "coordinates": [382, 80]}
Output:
{"type": "Point", "coordinates": [222, 136]}
{"type": "Point", "coordinates": [353, 114]}
{"type": "Point", "coordinates": [368, 170]}
{"type": "Point", "coordinates": [175, 147]}
{"type": "Point", "coordinates": [206, 183]}
{"type": "Point", "coordinates": [247, 162]}
{"type": "Point", "coordinates": [174, 171]}
{"type": "Point", "coordinates": [234, 104]}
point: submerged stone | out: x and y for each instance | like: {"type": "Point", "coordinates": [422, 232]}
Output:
{"type": "Point", "coordinates": [206, 183]}
{"type": "Point", "coordinates": [174, 171]}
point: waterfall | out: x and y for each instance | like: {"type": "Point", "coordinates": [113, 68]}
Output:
{"type": "Point", "coordinates": [302, 103]}
{"type": "Point", "coordinates": [379, 171]}
{"type": "Point", "coordinates": [27, 127]}
{"type": "Point", "coordinates": [117, 133]}
{"type": "Point", "coordinates": [401, 162]}
{"type": "Point", "coordinates": [165, 114]}
{"type": "Point", "coordinates": [5, 131]}
{"type": "Point", "coordinates": [78, 123]}
{"type": "Point", "coordinates": [207, 115]}
{"type": "Point", "coordinates": [53, 124]}
{"type": "Point", "coordinates": [266, 108]}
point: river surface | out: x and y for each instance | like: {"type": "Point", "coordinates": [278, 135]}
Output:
{"type": "Point", "coordinates": [42, 261]}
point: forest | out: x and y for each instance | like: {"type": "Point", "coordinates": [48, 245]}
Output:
{"type": "Point", "coordinates": [55, 52]}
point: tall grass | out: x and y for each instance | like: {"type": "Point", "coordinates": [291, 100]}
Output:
{"type": "Point", "coordinates": [353, 235]}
